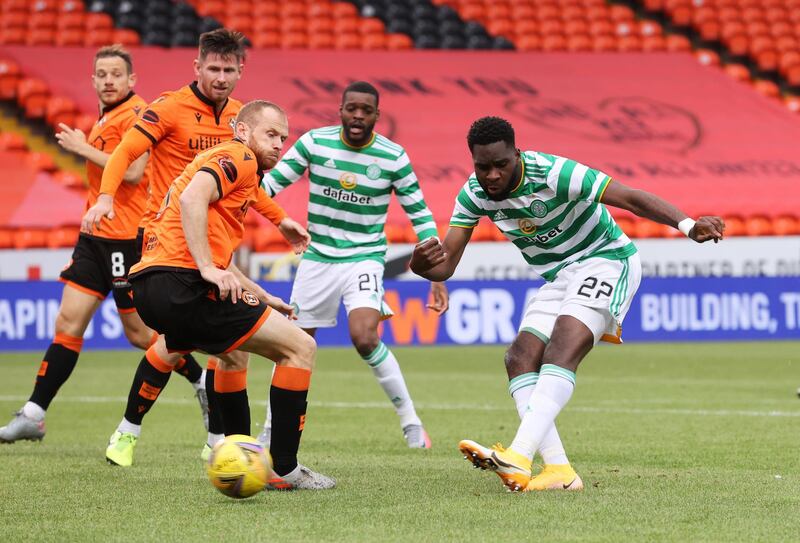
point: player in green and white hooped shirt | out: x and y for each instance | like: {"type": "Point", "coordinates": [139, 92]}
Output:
{"type": "Point", "coordinates": [554, 210]}
{"type": "Point", "coordinates": [353, 172]}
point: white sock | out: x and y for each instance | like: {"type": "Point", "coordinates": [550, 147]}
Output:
{"type": "Point", "coordinates": [200, 383]}
{"type": "Point", "coordinates": [521, 387]}
{"type": "Point", "coordinates": [387, 371]}
{"type": "Point", "coordinates": [127, 427]}
{"type": "Point", "coordinates": [213, 438]}
{"type": "Point", "coordinates": [33, 411]}
{"type": "Point", "coordinates": [552, 392]}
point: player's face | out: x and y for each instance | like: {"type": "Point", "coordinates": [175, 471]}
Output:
{"type": "Point", "coordinates": [496, 167]}
{"type": "Point", "coordinates": [266, 139]}
{"type": "Point", "coordinates": [359, 113]}
{"type": "Point", "coordinates": [217, 76]}
{"type": "Point", "coordinates": [111, 80]}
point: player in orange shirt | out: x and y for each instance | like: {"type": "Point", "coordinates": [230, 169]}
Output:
{"type": "Point", "coordinates": [100, 262]}
{"type": "Point", "coordinates": [186, 287]}
{"type": "Point", "coordinates": [174, 128]}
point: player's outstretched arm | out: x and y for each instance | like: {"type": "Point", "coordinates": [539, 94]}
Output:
{"type": "Point", "coordinates": [133, 145]}
{"type": "Point", "coordinates": [74, 141]}
{"type": "Point", "coordinates": [650, 206]}
{"type": "Point", "coordinates": [437, 261]}
{"type": "Point", "coordinates": [297, 236]}
{"type": "Point", "coordinates": [194, 201]}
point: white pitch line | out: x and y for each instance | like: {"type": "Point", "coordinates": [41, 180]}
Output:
{"type": "Point", "coordinates": [454, 407]}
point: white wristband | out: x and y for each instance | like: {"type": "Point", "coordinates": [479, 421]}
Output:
{"type": "Point", "coordinates": [686, 225]}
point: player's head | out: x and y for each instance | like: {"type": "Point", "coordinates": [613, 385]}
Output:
{"type": "Point", "coordinates": [494, 155]}
{"type": "Point", "coordinates": [113, 76]}
{"type": "Point", "coordinates": [219, 63]}
{"type": "Point", "coordinates": [359, 112]}
{"type": "Point", "coordinates": [263, 127]}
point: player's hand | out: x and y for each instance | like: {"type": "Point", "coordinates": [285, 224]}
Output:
{"type": "Point", "coordinates": [277, 303]}
{"type": "Point", "coordinates": [439, 299]}
{"type": "Point", "coordinates": [104, 207]}
{"type": "Point", "coordinates": [707, 228]}
{"type": "Point", "coordinates": [71, 139]}
{"type": "Point", "coordinates": [226, 282]}
{"type": "Point", "coordinates": [295, 234]}
{"type": "Point", "coordinates": [426, 255]}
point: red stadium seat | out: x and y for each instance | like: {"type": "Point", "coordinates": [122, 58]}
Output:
{"type": "Point", "coordinates": [320, 9]}
{"type": "Point", "coordinates": [786, 225]}
{"type": "Point", "coordinates": [371, 26]}
{"type": "Point", "coordinates": [211, 8]}
{"type": "Point", "coordinates": [29, 238]}
{"type": "Point", "coordinates": [270, 24]}
{"type": "Point", "coordinates": [644, 228]}
{"type": "Point", "coordinates": [63, 236]}
{"type": "Point", "coordinates": [41, 161]}
{"type": "Point", "coordinates": [266, 9]}
{"type": "Point", "coordinates": [266, 40]}
{"type": "Point", "coordinates": [294, 40]}
{"type": "Point", "coordinates": [126, 37]}
{"type": "Point", "coordinates": [398, 42]}
{"type": "Point", "coordinates": [43, 36]}
{"type": "Point", "coordinates": [13, 36]}
{"type": "Point", "coordinates": [343, 9]}
{"type": "Point", "coordinates": [529, 42]}
{"type": "Point", "coordinates": [6, 238]}
{"type": "Point", "coordinates": [373, 42]}
{"type": "Point", "coordinates": [604, 43]}
{"type": "Point", "coordinates": [14, 19]}
{"type": "Point", "coordinates": [554, 42]}
{"type": "Point", "coordinates": [767, 88]}
{"type": "Point", "coordinates": [758, 226]}
{"type": "Point", "coordinates": [293, 9]}
{"type": "Point", "coordinates": [345, 26]}
{"type": "Point", "coordinates": [652, 44]}
{"type": "Point", "coordinates": [32, 95]}
{"type": "Point", "coordinates": [85, 122]}
{"type": "Point", "coordinates": [71, 37]}
{"type": "Point", "coordinates": [44, 5]}
{"type": "Point", "coordinates": [398, 233]}
{"type": "Point", "coordinates": [320, 40]}
{"type": "Point", "coordinates": [11, 141]}
{"type": "Point", "coordinates": [676, 42]}
{"type": "Point", "coordinates": [351, 40]}
{"type": "Point", "coordinates": [9, 78]}
{"type": "Point", "coordinates": [737, 71]}
{"type": "Point", "coordinates": [97, 21]}
{"type": "Point", "coordinates": [629, 43]}
{"type": "Point", "coordinates": [579, 42]}
{"type": "Point", "coordinates": [240, 8]}
{"type": "Point", "coordinates": [295, 24]}
{"type": "Point", "coordinates": [734, 226]}
{"type": "Point", "coordinates": [792, 103]}
{"type": "Point", "coordinates": [43, 19]}
{"type": "Point", "coordinates": [71, 6]}
{"type": "Point", "coordinates": [60, 110]}
{"type": "Point", "coordinates": [707, 57]}
{"type": "Point", "coordinates": [98, 37]}
{"type": "Point", "coordinates": [793, 75]}
{"type": "Point", "coordinates": [483, 231]}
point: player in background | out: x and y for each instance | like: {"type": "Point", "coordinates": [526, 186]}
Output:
{"type": "Point", "coordinates": [352, 172]}
{"type": "Point", "coordinates": [187, 287]}
{"type": "Point", "coordinates": [174, 128]}
{"type": "Point", "coordinates": [554, 210]}
{"type": "Point", "coordinates": [100, 262]}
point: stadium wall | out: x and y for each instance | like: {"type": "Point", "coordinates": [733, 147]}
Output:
{"type": "Point", "coordinates": [481, 312]}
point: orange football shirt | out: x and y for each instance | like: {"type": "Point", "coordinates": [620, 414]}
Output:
{"type": "Point", "coordinates": [106, 134]}
{"type": "Point", "coordinates": [235, 170]}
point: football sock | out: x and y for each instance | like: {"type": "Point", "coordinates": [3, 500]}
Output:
{"type": "Point", "coordinates": [56, 367]}
{"type": "Point", "coordinates": [151, 377]}
{"type": "Point", "coordinates": [33, 411]}
{"type": "Point", "coordinates": [387, 371]}
{"type": "Point", "coordinates": [189, 368]}
{"type": "Point", "coordinates": [127, 427]}
{"type": "Point", "coordinates": [287, 396]}
{"type": "Point", "coordinates": [213, 438]}
{"type": "Point", "coordinates": [231, 391]}
{"type": "Point", "coordinates": [214, 415]}
{"type": "Point", "coordinates": [551, 394]}
{"type": "Point", "coordinates": [268, 417]}
{"type": "Point", "coordinates": [521, 387]}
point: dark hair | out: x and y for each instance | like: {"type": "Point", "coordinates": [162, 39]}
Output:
{"type": "Point", "coordinates": [488, 130]}
{"type": "Point", "coordinates": [225, 43]}
{"type": "Point", "coordinates": [116, 50]}
{"type": "Point", "coordinates": [361, 86]}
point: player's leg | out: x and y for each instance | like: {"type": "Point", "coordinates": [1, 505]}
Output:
{"type": "Point", "coordinates": [123, 255]}
{"type": "Point", "coordinates": [316, 295]}
{"type": "Point", "coordinates": [78, 305]}
{"type": "Point", "coordinates": [363, 299]}
{"type": "Point", "coordinates": [294, 353]}
{"type": "Point", "coordinates": [216, 429]}
{"type": "Point", "coordinates": [150, 378]}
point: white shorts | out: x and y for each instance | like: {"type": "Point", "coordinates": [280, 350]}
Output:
{"type": "Point", "coordinates": [597, 291]}
{"type": "Point", "coordinates": [319, 288]}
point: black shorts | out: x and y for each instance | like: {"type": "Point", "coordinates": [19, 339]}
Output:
{"type": "Point", "coordinates": [187, 310]}
{"type": "Point", "coordinates": [100, 266]}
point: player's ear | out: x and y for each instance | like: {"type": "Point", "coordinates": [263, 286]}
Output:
{"type": "Point", "coordinates": [132, 80]}
{"type": "Point", "coordinates": [196, 65]}
{"type": "Point", "coordinates": [377, 114]}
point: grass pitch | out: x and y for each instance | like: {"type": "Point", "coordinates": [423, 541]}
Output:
{"type": "Point", "coordinates": [679, 442]}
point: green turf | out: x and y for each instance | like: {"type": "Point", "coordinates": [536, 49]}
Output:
{"type": "Point", "coordinates": [674, 443]}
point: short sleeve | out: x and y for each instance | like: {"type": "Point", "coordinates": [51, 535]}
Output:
{"type": "Point", "coordinates": [574, 181]}
{"type": "Point", "coordinates": [466, 211]}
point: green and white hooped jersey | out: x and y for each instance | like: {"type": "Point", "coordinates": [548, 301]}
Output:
{"type": "Point", "coordinates": [349, 194]}
{"type": "Point", "coordinates": [554, 216]}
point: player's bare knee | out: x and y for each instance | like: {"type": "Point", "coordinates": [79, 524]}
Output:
{"type": "Point", "coordinates": [68, 323]}
{"type": "Point", "coordinates": [301, 354]}
{"type": "Point", "coordinates": [365, 343]}
{"type": "Point", "coordinates": [139, 338]}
